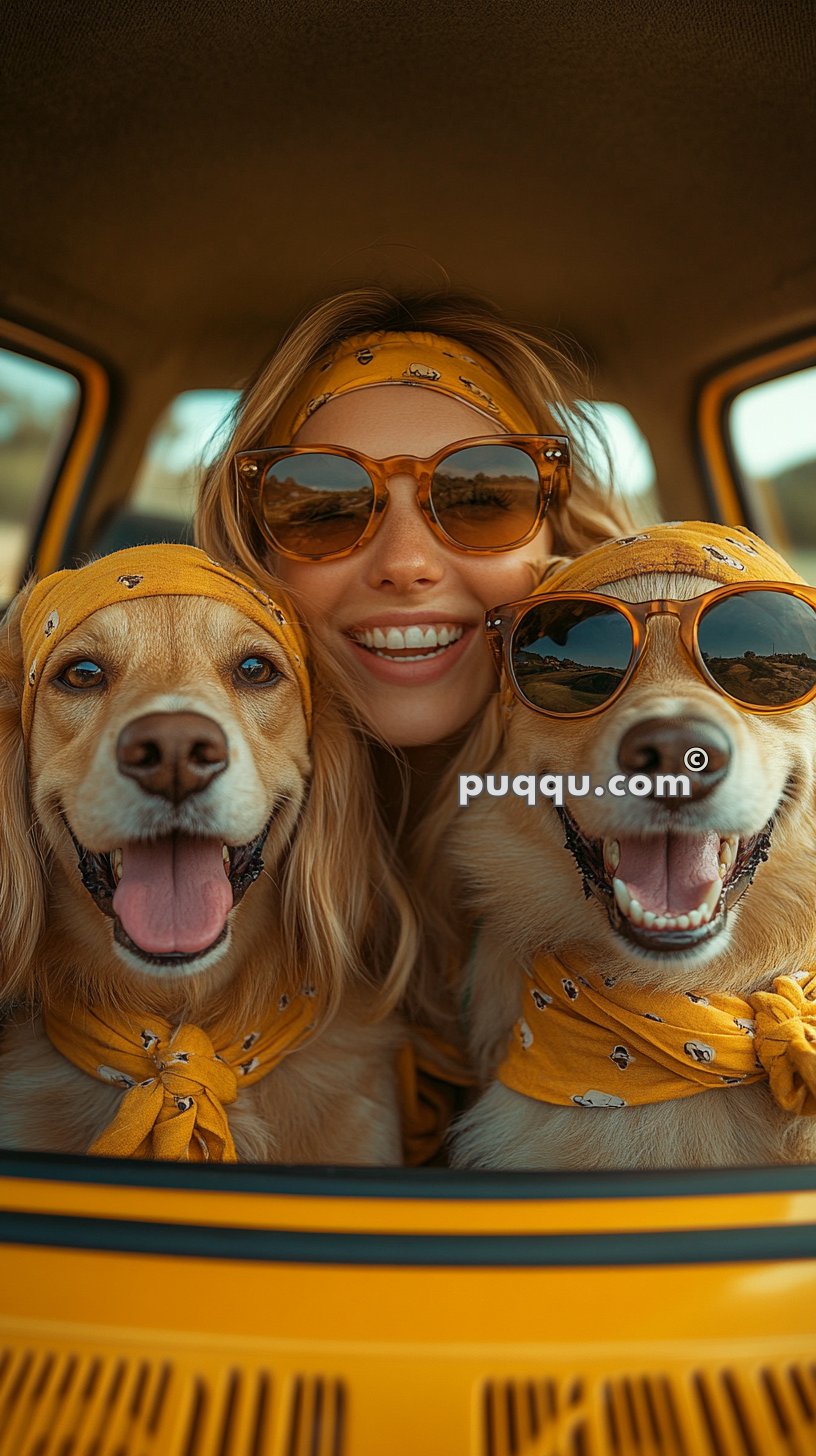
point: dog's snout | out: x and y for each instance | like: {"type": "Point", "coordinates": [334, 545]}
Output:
{"type": "Point", "coordinates": [666, 746]}
{"type": "Point", "coordinates": [172, 754]}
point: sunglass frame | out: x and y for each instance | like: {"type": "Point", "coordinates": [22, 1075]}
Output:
{"type": "Point", "coordinates": [550, 454]}
{"type": "Point", "coordinates": [501, 624]}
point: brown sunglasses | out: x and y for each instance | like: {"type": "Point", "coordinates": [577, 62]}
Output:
{"type": "Point", "coordinates": [320, 503]}
{"type": "Point", "coordinates": [571, 654]}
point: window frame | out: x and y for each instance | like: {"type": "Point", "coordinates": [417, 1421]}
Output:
{"type": "Point", "coordinates": [59, 499]}
{"type": "Point", "coordinates": [721, 472]}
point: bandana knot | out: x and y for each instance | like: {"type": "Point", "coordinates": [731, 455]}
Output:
{"type": "Point", "coordinates": [786, 1042]}
{"type": "Point", "coordinates": [176, 1081]}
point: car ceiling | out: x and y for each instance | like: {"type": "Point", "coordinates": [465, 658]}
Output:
{"type": "Point", "coordinates": [182, 178]}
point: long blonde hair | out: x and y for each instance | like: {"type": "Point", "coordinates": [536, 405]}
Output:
{"type": "Point", "coordinates": [546, 379]}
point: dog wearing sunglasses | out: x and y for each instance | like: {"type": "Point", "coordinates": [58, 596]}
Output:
{"type": "Point", "coordinates": [188, 865]}
{"type": "Point", "coordinates": [643, 988]}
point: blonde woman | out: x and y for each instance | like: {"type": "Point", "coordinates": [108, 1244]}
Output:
{"type": "Point", "coordinates": [400, 465]}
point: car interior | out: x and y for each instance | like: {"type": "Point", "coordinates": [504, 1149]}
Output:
{"type": "Point", "coordinates": [180, 182]}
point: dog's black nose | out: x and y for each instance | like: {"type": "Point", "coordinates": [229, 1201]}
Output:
{"type": "Point", "coordinates": [172, 754]}
{"type": "Point", "coordinates": [667, 746]}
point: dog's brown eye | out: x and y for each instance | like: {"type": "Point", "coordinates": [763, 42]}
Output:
{"type": "Point", "coordinates": [257, 671]}
{"type": "Point", "coordinates": [84, 674]}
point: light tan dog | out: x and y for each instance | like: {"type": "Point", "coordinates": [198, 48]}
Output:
{"type": "Point", "coordinates": [165, 762]}
{"type": "Point", "coordinates": [707, 896]}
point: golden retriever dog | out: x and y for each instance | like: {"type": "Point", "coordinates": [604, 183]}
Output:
{"type": "Point", "coordinates": [192, 889]}
{"type": "Point", "coordinates": [643, 990]}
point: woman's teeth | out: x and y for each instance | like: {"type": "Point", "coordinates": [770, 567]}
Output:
{"type": "Point", "coordinates": [426, 641]}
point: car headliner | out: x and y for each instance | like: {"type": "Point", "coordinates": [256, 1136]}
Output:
{"type": "Point", "coordinates": [181, 179]}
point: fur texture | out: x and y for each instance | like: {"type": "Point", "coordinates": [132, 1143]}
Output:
{"type": "Point", "coordinates": [327, 910]}
{"type": "Point", "coordinates": [529, 895]}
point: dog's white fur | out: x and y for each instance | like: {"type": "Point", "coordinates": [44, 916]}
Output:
{"type": "Point", "coordinates": [529, 896]}
{"type": "Point", "coordinates": [326, 907]}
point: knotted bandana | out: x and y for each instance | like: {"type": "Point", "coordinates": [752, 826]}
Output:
{"type": "Point", "coordinates": [429, 361]}
{"type": "Point", "coordinates": [588, 1040]}
{"type": "Point", "coordinates": [177, 1081]}
{"type": "Point", "coordinates": [61, 602]}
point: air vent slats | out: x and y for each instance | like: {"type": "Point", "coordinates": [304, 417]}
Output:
{"type": "Point", "coordinates": [685, 1412]}
{"type": "Point", "coordinates": [63, 1403]}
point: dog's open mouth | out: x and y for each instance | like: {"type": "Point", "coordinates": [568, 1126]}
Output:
{"type": "Point", "coordinates": [666, 891]}
{"type": "Point", "coordinates": [170, 897]}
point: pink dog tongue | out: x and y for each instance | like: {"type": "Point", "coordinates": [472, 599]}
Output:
{"type": "Point", "coordinates": [670, 875]}
{"type": "Point", "coordinates": [174, 895]}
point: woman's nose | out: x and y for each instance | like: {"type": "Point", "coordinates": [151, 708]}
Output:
{"type": "Point", "coordinates": [404, 554]}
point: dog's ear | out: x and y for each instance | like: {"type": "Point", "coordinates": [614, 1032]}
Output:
{"type": "Point", "coordinates": [344, 906]}
{"type": "Point", "coordinates": [22, 887]}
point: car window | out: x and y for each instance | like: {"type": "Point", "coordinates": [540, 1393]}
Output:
{"type": "Point", "coordinates": [38, 410]}
{"type": "Point", "coordinates": [629, 465]}
{"type": "Point", "coordinates": [773, 436]}
{"type": "Point", "coordinates": [189, 433]}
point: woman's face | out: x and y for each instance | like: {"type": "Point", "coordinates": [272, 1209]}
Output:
{"type": "Point", "coordinates": [406, 577]}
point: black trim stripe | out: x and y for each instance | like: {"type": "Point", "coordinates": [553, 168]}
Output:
{"type": "Point", "coordinates": [405, 1183]}
{"type": "Point", "coordinates": [189, 1241]}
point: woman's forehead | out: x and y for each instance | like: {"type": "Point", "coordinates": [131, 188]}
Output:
{"type": "Point", "coordinates": [395, 419]}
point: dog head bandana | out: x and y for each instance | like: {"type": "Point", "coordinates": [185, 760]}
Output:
{"type": "Point", "coordinates": [428, 361]}
{"type": "Point", "coordinates": [61, 602]}
{"type": "Point", "coordinates": [725, 554]}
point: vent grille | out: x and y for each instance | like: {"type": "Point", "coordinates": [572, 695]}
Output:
{"type": "Point", "coordinates": [59, 1403]}
{"type": "Point", "coordinates": [728, 1412]}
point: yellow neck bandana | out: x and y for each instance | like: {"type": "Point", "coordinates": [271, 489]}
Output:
{"type": "Point", "coordinates": [429, 361]}
{"type": "Point", "coordinates": [724, 554]}
{"type": "Point", "coordinates": [61, 602]}
{"type": "Point", "coordinates": [586, 1040]}
{"type": "Point", "coordinates": [177, 1081]}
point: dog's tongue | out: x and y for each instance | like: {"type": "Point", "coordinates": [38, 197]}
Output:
{"type": "Point", "coordinates": [174, 895]}
{"type": "Point", "coordinates": [669, 874]}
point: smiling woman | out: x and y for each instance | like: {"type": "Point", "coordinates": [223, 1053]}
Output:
{"type": "Point", "coordinates": [398, 464]}
{"type": "Point", "coordinates": [374, 392]}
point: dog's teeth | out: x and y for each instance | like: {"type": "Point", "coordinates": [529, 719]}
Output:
{"type": "Point", "coordinates": [636, 912]}
{"type": "Point", "coordinates": [660, 922]}
{"type": "Point", "coordinates": [694, 918]}
{"type": "Point", "coordinates": [712, 898]}
{"type": "Point", "coordinates": [683, 922]}
{"type": "Point", "coordinates": [116, 864]}
{"type": "Point", "coordinates": [649, 918]}
{"type": "Point", "coordinates": [225, 857]}
{"type": "Point", "coordinates": [622, 895]}
{"type": "Point", "coordinates": [611, 853]}
{"type": "Point", "coordinates": [727, 855]}
{"type": "Point", "coordinates": [671, 922]}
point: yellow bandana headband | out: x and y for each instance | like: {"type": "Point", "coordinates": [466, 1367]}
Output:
{"type": "Point", "coordinates": [588, 1040]}
{"type": "Point", "coordinates": [428, 361]}
{"type": "Point", "coordinates": [176, 1081]}
{"type": "Point", "coordinates": [63, 601]}
{"type": "Point", "coordinates": [725, 554]}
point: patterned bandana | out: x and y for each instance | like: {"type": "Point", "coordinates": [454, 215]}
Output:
{"type": "Point", "coordinates": [176, 1080]}
{"type": "Point", "coordinates": [429, 361]}
{"type": "Point", "coordinates": [61, 602]}
{"type": "Point", "coordinates": [725, 554]}
{"type": "Point", "coordinates": [588, 1040]}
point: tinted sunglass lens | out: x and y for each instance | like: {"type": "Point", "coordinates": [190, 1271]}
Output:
{"type": "Point", "coordinates": [485, 496]}
{"type": "Point", "coordinates": [316, 504]}
{"type": "Point", "coordinates": [570, 656]}
{"type": "Point", "coordinates": [760, 647]}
